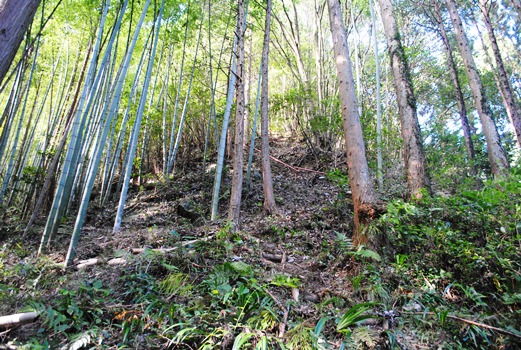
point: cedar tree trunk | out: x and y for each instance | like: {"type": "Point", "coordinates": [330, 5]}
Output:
{"type": "Point", "coordinates": [15, 17]}
{"type": "Point", "coordinates": [513, 110]}
{"type": "Point", "coordinates": [359, 177]}
{"type": "Point", "coordinates": [236, 194]}
{"type": "Point", "coordinates": [414, 158]}
{"type": "Point", "coordinates": [267, 181]}
{"type": "Point", "coordinates": [496, 155]}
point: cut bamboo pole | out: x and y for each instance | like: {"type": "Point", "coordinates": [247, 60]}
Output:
{"type": "Point", "coordinates": [11, 321]}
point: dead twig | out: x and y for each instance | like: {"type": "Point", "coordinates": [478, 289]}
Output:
{"type": "Point", "coordinates": [282, 326]}
{"type": "Point", "coordinates": [295, 168]}
{"type": "Point", "coordinates": [166, 250]}
{"type": "Point", "coordinates": [464, 320]}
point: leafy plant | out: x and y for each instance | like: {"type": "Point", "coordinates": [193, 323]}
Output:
{"type": "Point", "coordinates": [176, 283]}
{"type": "Point", "coordinates": [354, 315]}
{"type": "Point", "coordinates": [285, 281]}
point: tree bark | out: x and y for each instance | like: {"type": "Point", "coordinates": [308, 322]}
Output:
{"type": "Point", "coordinates": [379, 160]}
{"type": "Point", "coordinates": [15, 18]}
{"type": "Point", "coordinates": [496, 155]}
{"type": "Point", "coordinates": [267, 181]}
{"type": "Point", "coordinates": [362, 190]}
{"type": "Point", "coordinates": [414, 158]}
{"type": "Point", "coordinates": [513, 110]}
{"type": "Point", "coordinates": [469, 146]}
{"type": "Point", "coordinates": [238, 161]}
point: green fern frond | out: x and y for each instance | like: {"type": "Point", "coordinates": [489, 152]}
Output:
{"type": "Point", "coordinates": [300, 338]}
{"type": "Point", "coordinates": [367, 253]}
{"type": "Point", "coordinates": [82, 340]}
{"type": "Point", "coordinates": [362, 338]}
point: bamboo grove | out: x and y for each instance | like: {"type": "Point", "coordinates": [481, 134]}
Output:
{"type": "Point", "coordinates": [105, 96]}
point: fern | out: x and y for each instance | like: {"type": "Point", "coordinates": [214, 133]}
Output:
{"type": "Point", "coordinates": [241, 268]}
{"type": "Point", "coordinates": [367, 253]}
{"type": "Point", "coordinates": [361, 338]}
{"type": "Point", "coordinates": [300, 338]}
{"type": "Point", "coordinates": [343, 243]}
{"type": "Point", "coordinates": [266, 320]}
{"type": "Point", "coordinates": [82, 340]}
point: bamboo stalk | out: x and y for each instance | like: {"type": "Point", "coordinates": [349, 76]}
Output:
{"type": "Point", "coordinates": [15, 320]}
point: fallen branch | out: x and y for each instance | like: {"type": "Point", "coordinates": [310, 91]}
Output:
{"type": "Point", "coordinates": [117, 261]}
{"type": "Point", "coordinates": [464, 320]}
{"type": "Point", "coordinates": [17, 319]}
{"type": "Point", "coordinates": [273, 257]}
{"type": "Point", "coordinates": [283, 325]}
{"type": "Point", "coordinates": [88, 262]}
{"type": "Point", "coordinates": [167, 250]}
{"type": "Point", "coordinates": [294, 168]}
{"type": "Point", "coordinates": [94, 261]}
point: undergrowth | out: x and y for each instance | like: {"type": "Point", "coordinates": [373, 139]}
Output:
{"type": "Point", "coordinates": [447, 277]}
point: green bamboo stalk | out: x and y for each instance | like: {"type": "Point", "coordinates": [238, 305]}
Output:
{"type": "Point", "coordinates": [97, 157]}
{"type": "Point", "coordinates": [137, 124]}
{"type": "Point", "coordinates": [226, 119]}
{"type": "Point", "coordinates": [254, 129]}
{"type": "Point", "coordinates": [176, 103]}
{"type": "Point", "coordinates": [61, 196]}
{"type": "Point", "coordinates": [7, 177]}
{"type": "Point", "coordinates": [213, 86]}
{"type": "Point", "coordinates": [187, 98]}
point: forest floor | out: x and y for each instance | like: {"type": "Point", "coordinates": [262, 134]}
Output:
{"type": "Point", "coordinates": [173, 279]}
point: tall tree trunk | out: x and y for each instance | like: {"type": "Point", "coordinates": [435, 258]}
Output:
{"type": "Point", "coordinates": [254, 128]}
{"type": "Point", "coordinates": [469, 146]}
{"type": "Point", "coordinates": [267, 181]}
{"type": "Point", "coordinates": [247, 88]}
{"type": "Point", "coordinates": [414, 158]}
{"type": "Point", "coordinates": [513, 110]}
{"type": "Point", "coordinates": [496, 155]}
{"type": "Point", "coordinates": [379, 160]}
{"type": "Point", "coordinates": [224, 131]}
{"type": "Point", "coordinates": [360, 180]}
{"type": "Point", "coordinates": [236, 193]}
{"type": "Point", "coordinates": [356, 53]}
{"type": "Point", "coordinates": [15, 17]}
